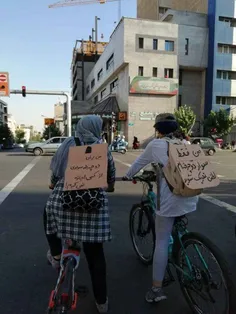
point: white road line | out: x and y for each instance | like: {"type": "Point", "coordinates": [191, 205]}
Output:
{"type": "Point", "coordinates": [203, 196]}
{"type": "Point", "coordinates": [218, 203]}
{"type": "Point", "coordinates": [6, 191]}
{"type": "Point", "coordinates": [121, 162]}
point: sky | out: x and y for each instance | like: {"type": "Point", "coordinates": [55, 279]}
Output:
{"type": "Point", "coordinates": [36, 49]}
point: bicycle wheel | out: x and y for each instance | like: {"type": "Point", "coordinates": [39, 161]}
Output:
{"type": "Point", "coordinates": [142, 227]}
{"type": "Point", "coordinates": [201, 288]}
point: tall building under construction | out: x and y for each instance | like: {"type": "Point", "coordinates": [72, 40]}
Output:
{"type": "Point", "coordinates": [154, 9]}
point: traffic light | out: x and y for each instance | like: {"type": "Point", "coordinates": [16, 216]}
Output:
{"type": "Point", "coordinates": [23, 91]}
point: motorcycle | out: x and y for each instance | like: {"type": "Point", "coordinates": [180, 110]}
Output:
{"type": "Point", "coordinates": [119, 147]}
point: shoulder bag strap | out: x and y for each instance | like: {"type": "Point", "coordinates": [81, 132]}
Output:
{"type": "Point", "coordinates": [77, 141]}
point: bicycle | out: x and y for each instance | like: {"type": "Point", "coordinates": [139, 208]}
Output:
{"type": "Point", "coordinates": [64, 298]}
{"type": "Point", "coordinates": [192, 278]}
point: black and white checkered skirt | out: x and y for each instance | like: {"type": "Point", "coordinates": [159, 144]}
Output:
{"type": "Point", "coordinates": [84, 227]}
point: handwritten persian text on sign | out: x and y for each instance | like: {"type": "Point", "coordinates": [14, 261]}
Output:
{"type": "Point", "coordinates": [194, 167]}
{"type": "Point", "coordinates": [86, 168]}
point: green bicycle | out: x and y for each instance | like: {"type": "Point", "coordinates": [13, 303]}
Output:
{"type": "Point", "coordinates": [195, 273]}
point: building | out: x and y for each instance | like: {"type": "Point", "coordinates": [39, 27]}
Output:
{"type": "Point", "coordinates": [221, 74]}
{"type": "Point", "coordinates": [59, 116]}
{"type": "Point", "coordinates": [12, 124]}
{"type": "Point", "coordinates": [140, 71]}
{"type": "Point", "coordinates": [83, 61]}
{"type": "Point", "coordinates": [154, 9]}
{"type": "Point", "coordinates": [3, 112]}
{"type": "Point", "coordinates": [29, 131]}
{"type": "Point", "coordinates": [192, 60]}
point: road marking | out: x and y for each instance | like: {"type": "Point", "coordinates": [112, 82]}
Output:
{"type": "Point", "coordinates": [205, 197]}
{"type": "Point", "coordinates": [219, 203]}
{"type": "Point", "coordinates": [6, 191]}
{"type": "Point", "coordinates": [121, 162]}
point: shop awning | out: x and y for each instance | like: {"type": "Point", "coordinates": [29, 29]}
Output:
{"type": "Point", "coordinates": [107, 105]}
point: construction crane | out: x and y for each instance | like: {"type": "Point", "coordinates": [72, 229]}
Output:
{"type": "Point", "coordinates": [66, 3]}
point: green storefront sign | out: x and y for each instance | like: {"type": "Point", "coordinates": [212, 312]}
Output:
{"type": "Point", "coordinates": [152, 86]}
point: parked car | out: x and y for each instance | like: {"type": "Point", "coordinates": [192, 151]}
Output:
{"type": "Point", "coordinates": [50, 146]}
{"type": "Point", "coordinates": [207, 144]}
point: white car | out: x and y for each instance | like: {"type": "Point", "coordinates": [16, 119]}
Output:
{"type": "Point", "coordinates": [48, 147]}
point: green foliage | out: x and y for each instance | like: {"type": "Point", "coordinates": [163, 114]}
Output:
{"type": "Point", "coordinates": [6, 136]}
{"type": "Point", "coordinates": [36, 137]}
{"type": "Point", "coordinates": [219, 123]}
{"type": "Point", "coordinates": [20, 134]}
{"type": "Point", "coordinates": [186, 118]}
{"type": "Point", "coordinates": [51, 131]}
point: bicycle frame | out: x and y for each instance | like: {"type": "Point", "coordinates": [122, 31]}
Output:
{"type": "Point", "coordinates": [181, 230]}
{"type": "Point", "coordinates": [64, 294]}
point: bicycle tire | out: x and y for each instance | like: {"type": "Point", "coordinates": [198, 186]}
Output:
{"type": "Point", "coordinates": [147, 212]}
{"type": "Point", "coordinates": [218, 255]}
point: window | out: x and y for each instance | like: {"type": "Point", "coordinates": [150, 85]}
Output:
{"type": "Point", "coordinates": [231, 101]}
{"type": "Point", "coordinates": [93, 83]}
{"type": "Point", "coordinates": [169, 45]}
{"type": "Point", "coordinates": [110, 62]}
{"type": "Point", "coordinates": [162, 10]}
{"type": "Point", "coordinates": [186, 46]}
{"type": "Point", "coordinates": [55, 140]}
{"type": "Point", "coordinates": [229, 20]}
{"type": "Point", "coordinates": [169, 73]}
{"type": "Point", "coordinates": [140, 71]}
{"type": "Point", "coordinates": [224, 48]}
{"type": "Point", "coordinates": [113, 85]}
{"type": "Point", "coordinates": [87, 89]}
{"type": "Point", "coordinates": [180, 77]}
{"type": "Point", "coordinates": [140, 43]}
{"type": "Point", "coordinates": [103, 92]}
{"type": "Point", "coordinates": [226, 75]}
{"type": "Point", "coordinates": [63, 139]}
{"type": "Point", "coordinates": [100, 73]}
{"type": "Point", "coordinates": [155, 44]}
{"type": "Point", "coordinates": [154, 72]}
{"type": "Point", "coordinates": [180, 101]}
{"type": "Point", "coordinates": [95, 99]}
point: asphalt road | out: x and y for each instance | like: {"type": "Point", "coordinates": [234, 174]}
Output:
{"type": "Point", "coordinates": [26, 279]}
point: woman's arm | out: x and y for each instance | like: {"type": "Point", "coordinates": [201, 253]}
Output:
{"type": "Point", "coordinates": [111, 170]}
{"type": "Point", "coordinates": [143, 160]}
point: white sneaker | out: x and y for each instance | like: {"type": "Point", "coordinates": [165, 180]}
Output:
{"type": "Point", "coordinates": [102, 308]}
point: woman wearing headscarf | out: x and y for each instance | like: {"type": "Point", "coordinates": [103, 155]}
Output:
{"type": "Point", "coordinates": [93, 229]}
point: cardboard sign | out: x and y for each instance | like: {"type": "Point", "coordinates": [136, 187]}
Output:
{"type": "Point", "coordinates": [86, 168]}
{"type": "Point", "coordinates": [194, 166]}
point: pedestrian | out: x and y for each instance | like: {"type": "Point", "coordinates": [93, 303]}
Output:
{"type": "Point", "coordinates": [171, 205]}
{"type": "Point", "coordinates": [92, 229]}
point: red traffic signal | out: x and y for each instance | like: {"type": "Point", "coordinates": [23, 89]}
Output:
{"type": "Point", "coordinates": [23, 91]}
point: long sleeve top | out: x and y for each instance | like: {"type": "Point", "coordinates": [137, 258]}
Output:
{"type": "Point", "coordinates": [171, 205]}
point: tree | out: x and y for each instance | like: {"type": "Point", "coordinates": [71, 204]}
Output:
{"type": "Point", "coordinates": [36, 137]}
{"type": "Point", "coordinates": [6, 136]}
{"type": "Point", "coordinates": [186, 118]}
{"type": "Point", "coordinates": [51, 131]}
{"type": "Point", "coordinates": [219, 123]}
{"type": "Point", "coordinates": [20, 136]}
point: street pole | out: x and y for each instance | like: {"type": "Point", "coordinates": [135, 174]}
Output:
{"type": "Point", "coordinates": [96, 36]}
{"type": "Point", "coordinates": [53, 93]}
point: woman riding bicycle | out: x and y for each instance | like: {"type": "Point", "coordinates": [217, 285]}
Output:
{"type": "Point", "coordinates": [171, 205]}
{"type": "Point", "coordinates": [90, 228]}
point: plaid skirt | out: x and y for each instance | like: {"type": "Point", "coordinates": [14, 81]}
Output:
{"type": "Point", "coordinates": [84, 227]}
